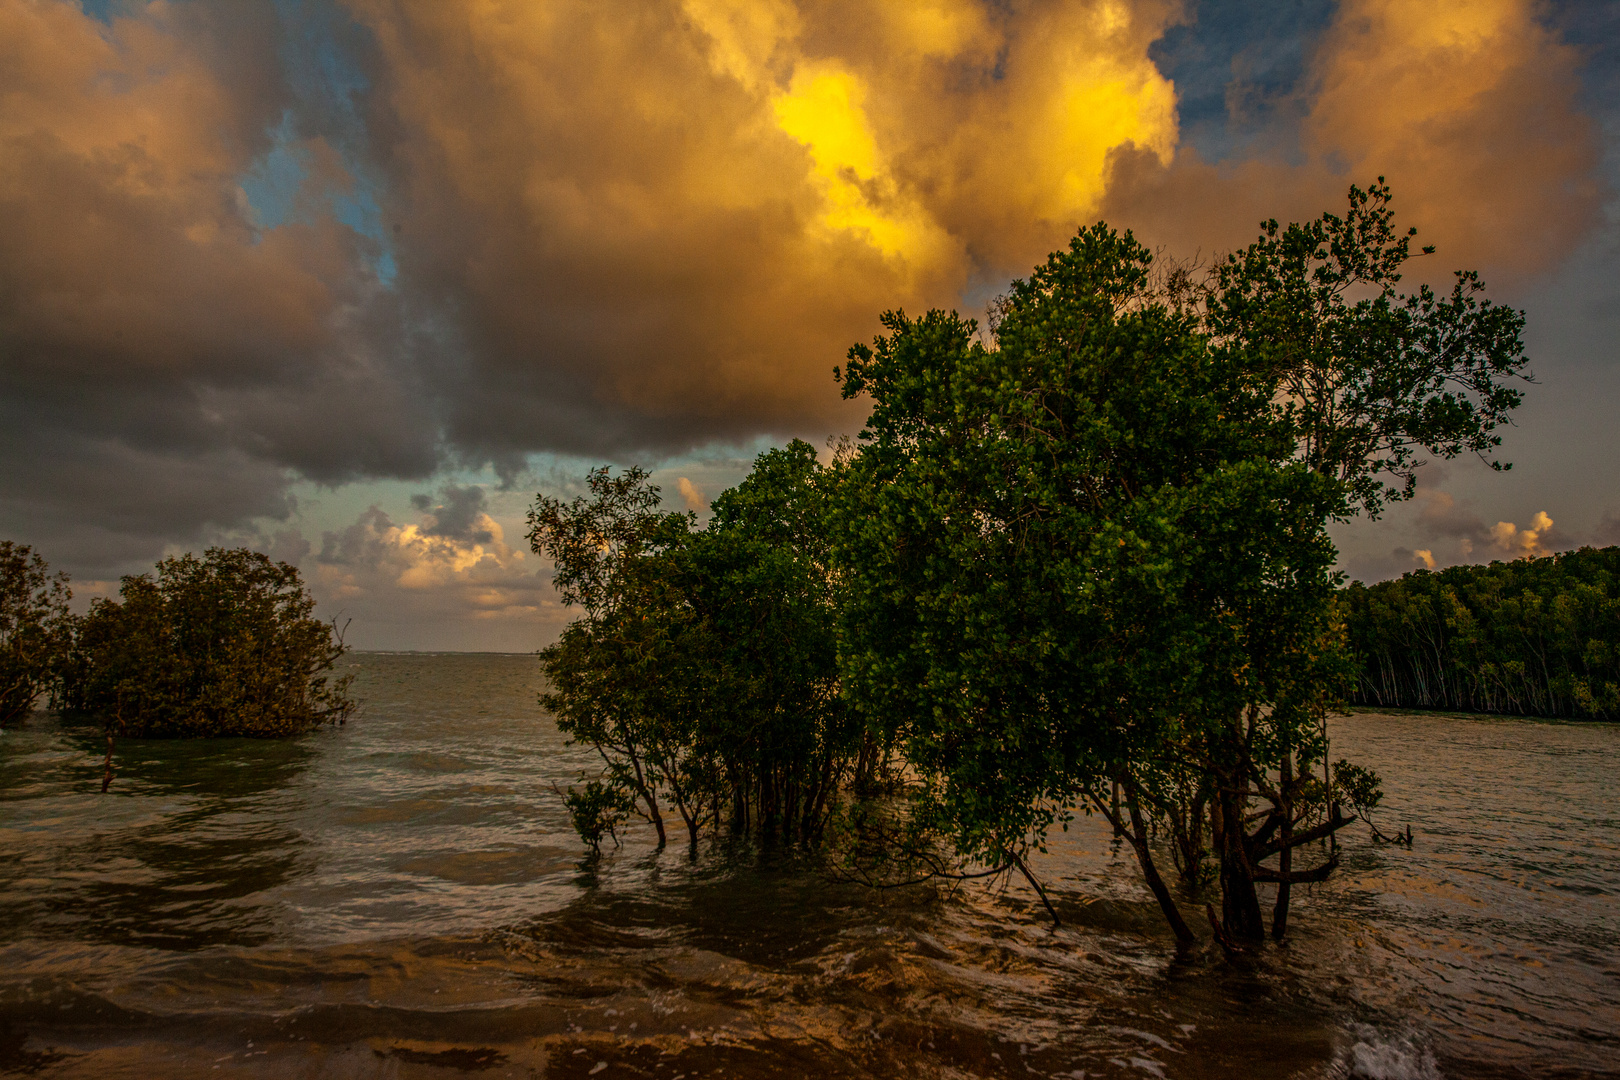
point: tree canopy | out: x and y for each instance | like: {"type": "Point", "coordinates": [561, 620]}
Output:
{"type": "Point", "coordinates": [1538, 637]}
{"type": "Point", "coordinates": [225, 644]}
{"type": "Point", "coordinates": [1369, 378]}
{"type": "Point", "coordinates": [703, 670]}
{"type": "Point", "coordinates": [35, 629]}
{"type": "Point", "coordinates": [1077, 559]}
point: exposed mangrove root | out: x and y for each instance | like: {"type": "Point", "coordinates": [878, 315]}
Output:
{"type": "Point", "coordinates": [1222, 938]}
{"type": "Point", "coordinates": [1402, 839]}
{"type": "Point", "coordinates": [1039, 889]}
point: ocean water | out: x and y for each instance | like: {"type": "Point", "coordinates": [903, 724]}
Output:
{"type": "Point", "coordinates": [403, 897]}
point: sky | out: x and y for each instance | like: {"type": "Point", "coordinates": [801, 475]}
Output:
{"type": "Point", "coordinates": [351, 281]}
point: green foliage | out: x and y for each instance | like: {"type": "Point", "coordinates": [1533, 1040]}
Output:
{"type": "Point", "coordinates": [1536, 637]}
{"type": "Point", "coordinates": [1081, 561]}
{"type": "Point", "coordinates": [1079, 557]}
{"type": "Point", "coordinates": [597, 810]}
{"type": "Point", "coordinates": [35, 629]}
{"type": "Point", "coordinates": [1368, 385]}
{"type": "Point", "coordinates": [615, 674]}
{"type": "Point", "coordinates": [222, 645]}
{"type": "Point", "coordinates": [703, 670]}
{"type": "Point", "coordinates": [1358, 786]}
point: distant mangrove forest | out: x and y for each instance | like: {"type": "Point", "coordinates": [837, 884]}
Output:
{"type": "Point", "coordinates": [1537, 637]}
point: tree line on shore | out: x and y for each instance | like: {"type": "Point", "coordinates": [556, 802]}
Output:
{"type": "Point", "coordinates": [1535, 637]}
{"type": "Point", "coordinates": [1076, 561]}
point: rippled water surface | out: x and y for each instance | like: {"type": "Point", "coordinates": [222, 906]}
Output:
{"type": "Point", "coordinates": [402, 897]}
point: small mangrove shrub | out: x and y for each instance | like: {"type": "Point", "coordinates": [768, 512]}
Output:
{"type": "Point", "coordinates": [35, 629]}
{"type": "Point", "coordinates": [226, 644]}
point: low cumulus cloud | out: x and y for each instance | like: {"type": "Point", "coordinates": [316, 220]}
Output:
{"type": "Point", "coordinates": [1453, 532]}
{"type": "Point", "coordinates": [450, 568]}
{"type": "Point", "coordinates": [1536, 539]}
{"type": "Point", "coordinates": [459, 515]}
{"type": "Point", "coordinates": [414, 556]}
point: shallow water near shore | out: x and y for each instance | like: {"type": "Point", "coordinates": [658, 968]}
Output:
{"type": "Point", "coordinates": [403, 897]}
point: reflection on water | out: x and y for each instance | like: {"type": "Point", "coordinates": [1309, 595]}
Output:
{"type": "Point", "coordinates": [174, 856]}
{"type": "Point", "coordinates": [402, 897]}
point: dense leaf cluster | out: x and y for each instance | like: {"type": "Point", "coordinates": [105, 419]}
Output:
{"type": "Point", "coordinates": [35, 629]}
{"type": "Point", "coordinates": [1536, 637]}
{"type": "Point", "coordinates": [226, 644]}
{"type": "Point", "coordinates": [704, 669]}
{"type": "Point", "coordinates": [1083, 557]}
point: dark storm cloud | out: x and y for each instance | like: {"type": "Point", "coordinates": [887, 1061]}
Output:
{"type": "Point", "coordinates": [167, 368]}
{"type": "Point", "coordinates": [659, 224]}
{"type": "Point", "coordinates": [459, 515]}
{"type": "Point", "coordinates": [1593, 27]}
{"type": "Point", "coordinates": [1242, 71]}
{"type": "Point", "coordinates": [356, 545]}
{"type": "Point", "coordinates": [103, 507]}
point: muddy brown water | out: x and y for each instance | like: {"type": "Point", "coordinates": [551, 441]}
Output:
{"type": "Point", "coordinates": [402, 897]}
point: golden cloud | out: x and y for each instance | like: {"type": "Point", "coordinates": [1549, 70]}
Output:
{"type": "Point", "coordinates": [663, 222]}
{"type": "Point", "coordinates": [1470, 108]}
{"type": "Point", "coordinates": [1454, 529]}
{"type": "Point", "coordinates": [1528, 543]}
{"type": "Point", "coordinates": [418, 567]}
{"type": "Point", "coordinates": [692, 496]}
{"type": "Point", "coordinates": [412, 557]}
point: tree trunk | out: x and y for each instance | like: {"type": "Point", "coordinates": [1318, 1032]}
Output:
{"type": "Point", "coordinates": [649, 798]}
{"type": "Point", "coordinates": [1137, 835]}
{"type": "Point", "coordinates": [1150, 874]}
{"type": "Point", "coordinates": [654, 816]}
{"type": "Point", "coordinates": [767, 805]}
{"type": "Point", "coordinates": [1040, 890]}
{"type": "Point", "coordinates": [1187, 836]}
{"type": "Point", "coordinates": [813, 821]}
{"type": "Point", "coordinates": [1240, 904]}
{"type": "Point", "coordinates": [1285, 858]}
{"type": "Point", "coordinates": [107, 769]}
{"type": "Point", "coordinates": [790, 812]}
{"type": "Point", "coordinates": [690, 817]}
